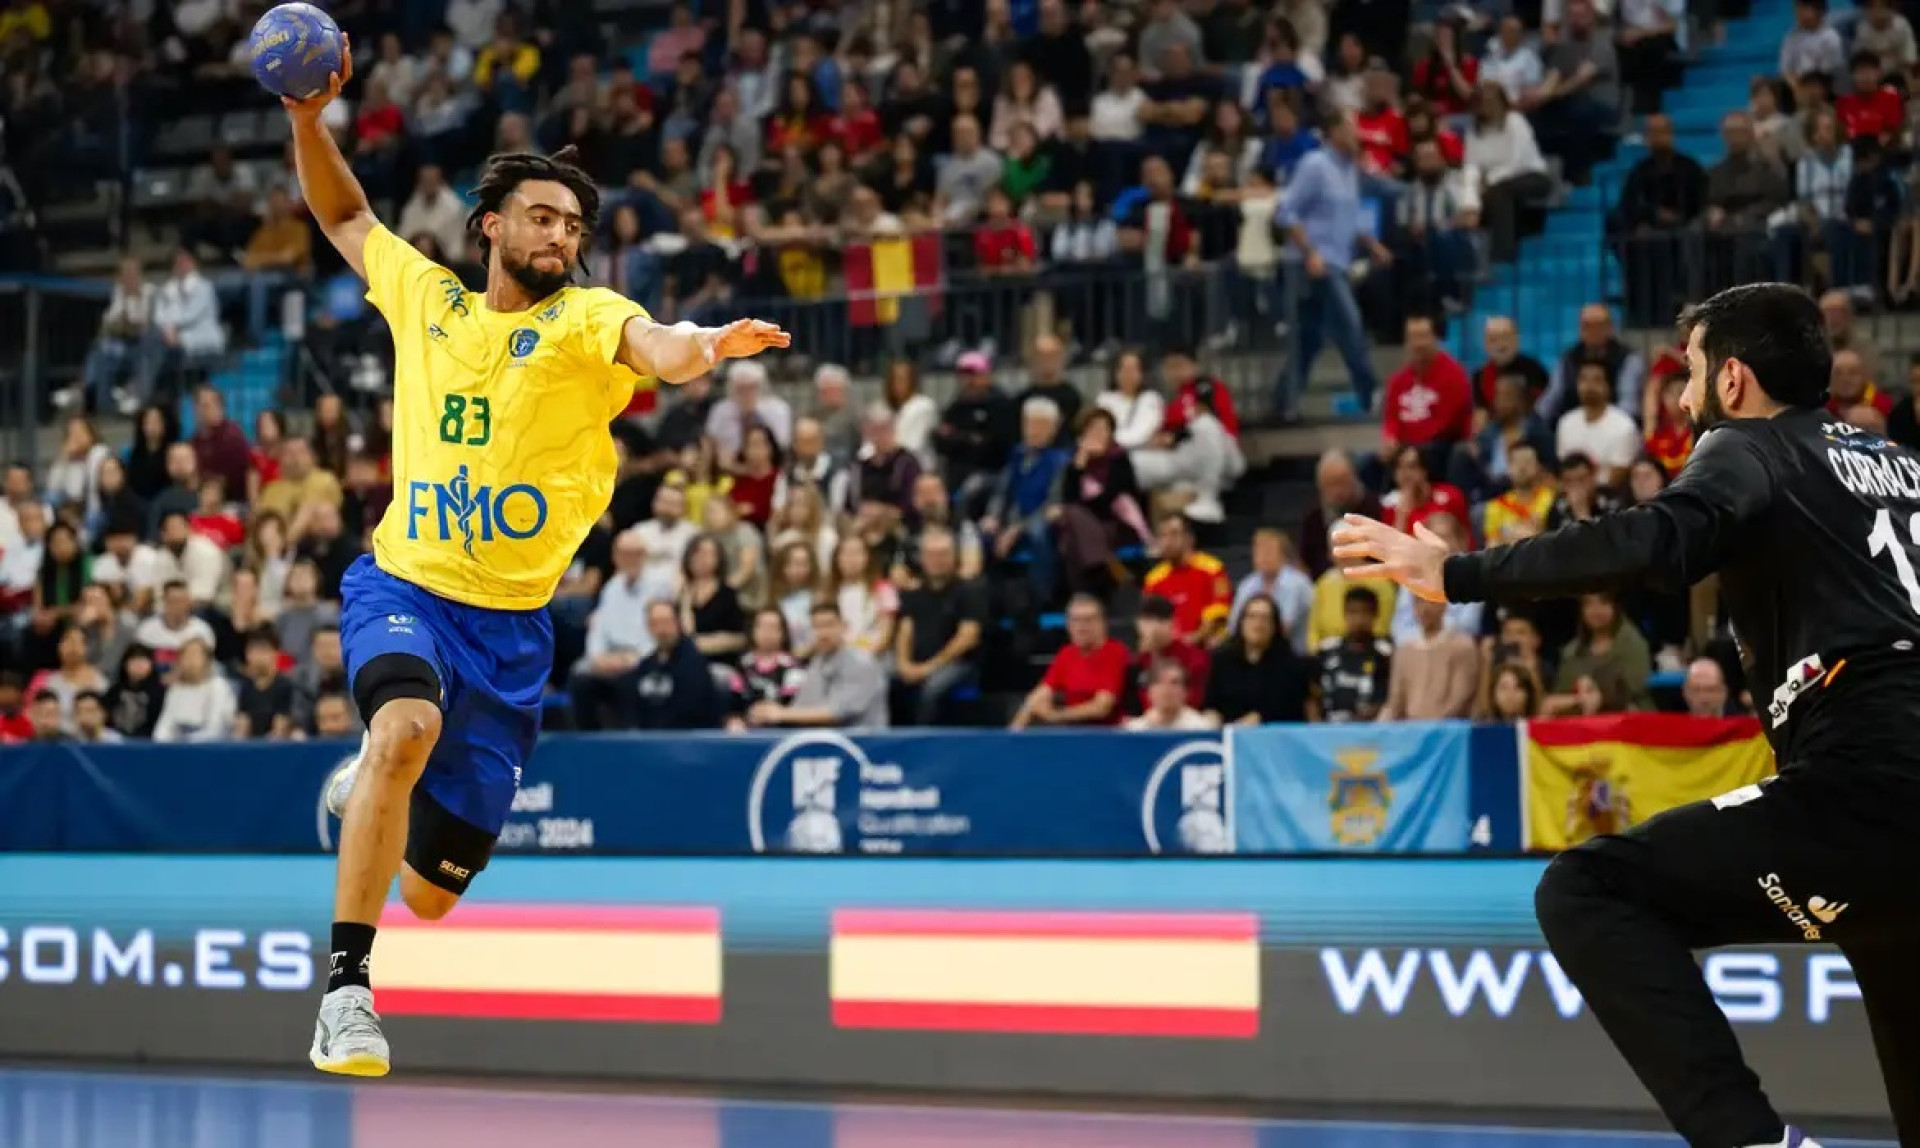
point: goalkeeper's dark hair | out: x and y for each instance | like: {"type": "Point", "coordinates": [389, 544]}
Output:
{"type": "Point", "coordinates": [504, 174]}
{"type": "Point", "coordinates": [1776, 329]}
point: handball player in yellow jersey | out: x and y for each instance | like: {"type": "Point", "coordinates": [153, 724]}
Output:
{"type": "Point", "coordinates": [502, 461]}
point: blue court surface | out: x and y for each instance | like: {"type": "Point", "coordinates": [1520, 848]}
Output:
{"type": "Point", "coordinates": [65, 1109]}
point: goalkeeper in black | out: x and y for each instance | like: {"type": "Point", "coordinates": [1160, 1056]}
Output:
{"type": "Point", "coordinates": [1814, 528]}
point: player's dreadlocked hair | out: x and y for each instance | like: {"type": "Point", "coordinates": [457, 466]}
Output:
{"type": "Point", "coordinates": [505, 173]}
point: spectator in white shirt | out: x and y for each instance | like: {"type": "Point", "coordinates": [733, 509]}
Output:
{"type": "Point", "coordinates": [1116, 110]}
{"type": "Point", "coordinates": [473, 21]}
{"type": "Point", "coordinates": [1597, 429]}
{"type": "Point", "coordinates": [914, 414]}
{"type": "Point", "coordinates": [1511, 60]}
{"type": "Point", "coordinates": [123, 328]}
{"type": "Point", "coordinates": [665, 537]}
{"type": "Point", "coordinates": [1138, 410]}
{"type": "Point", "coordinates": [173, 627]}
{"type": "Point", "coordinates": [1502, 149]}
{"type": "Point", "coordinates": [1167, 707]}
{"type": "Point", "coordinates": [748, 400]}
{"type": "Point", "coordinates": [435, 210]}
{"type": "Point", "coordinates": [1276, 576]}
{"type": "Point", "coordinates": [1812, 46]}
{"type": "Point", "coordinates": [185, 555]}
{"type": "Point", "coordinates": [617, 634]}
{"type": "Point", "coordinates": [200, 703]}
{"type": "Point", "coordinates": [1883, 31]}
{"type": "Point", "coordinates": [186, 328]}
{"type": "Point", "coordinates": [128, 568]}
{"type": "Point", "coordinates": [22, 557]}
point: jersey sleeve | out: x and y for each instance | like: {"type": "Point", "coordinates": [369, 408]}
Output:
{"type": "Point", "coordinates": [1671, 542]}
{"type": "Point", "coordinates": [600, 331]}
{"type": "Point", "coordinates": [399, 278]}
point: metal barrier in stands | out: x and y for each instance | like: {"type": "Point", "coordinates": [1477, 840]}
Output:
{"type": "Point", "coordinates": [52, 323]}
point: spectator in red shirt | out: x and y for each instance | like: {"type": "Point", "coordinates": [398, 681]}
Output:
{"type": "Point", "coordinates": [1003, 245]}
{"type": "Point", "coordinates": [380, 121]}
{"type": "Point", "coordinates": [1380, 126]}
{"type": "Point", "coordinates": [857, 127]}
{"type": "Point", "coordinates": [219, 445]}
{"type": "Point", "coordinates": [800, 120]}
{"type": "Point", "coordinates": [1417, 497]}
{"type": "Point", "coordinates": [1154, 624]}
{"type": "Point", "coordinates": [1447, 76]}
{"type": "Point", "coordinates": [16, 727]}
{"type": "Point", "coordinates": [1194, 582]}
{"type": "Point", "coordinates": [1670, 442]}
{"type": "Point", "coordinates": [269, 431]}
{"type": "Point", "coordinates": [1873, 107]}
{"type": "Point", "coordinates": [215, 520]}
{"type": "Point", "coordinates": [1429, 401]}
{"type": "Point", "coordinates": [1198, 444]}
{"type": "Point", "coordinates": [1851, 395]}
{"type": "Point", "coordinates": [1085, 682]}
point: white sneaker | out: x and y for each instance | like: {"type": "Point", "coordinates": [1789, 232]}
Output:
{"type": "Point", "coordinates": [64, 398]}
{"type": "Point", "coordinates": [340, 782]}
{"type": "Point", "coordinates": [346, 1036]}
{"type": "Point", "coordinates": [128, 402]}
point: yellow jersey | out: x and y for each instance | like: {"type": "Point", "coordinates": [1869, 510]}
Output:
{"type": "Point", "coordinates": [502, 457]}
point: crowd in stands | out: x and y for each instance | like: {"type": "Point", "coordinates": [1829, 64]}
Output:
{"type": "Point", "coordinates": [785, 556]}
{"type": "Point", "coordinates": [1817, 181]}
{"type": "Point", "coordinates": [1098, 151]}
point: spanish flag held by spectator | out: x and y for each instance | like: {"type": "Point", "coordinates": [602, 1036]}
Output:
{"type": "Point", "coordinates": [896, 281]}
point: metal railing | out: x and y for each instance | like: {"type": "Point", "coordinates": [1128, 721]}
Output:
{"type": "Point", "coordinates": [1243, 322]}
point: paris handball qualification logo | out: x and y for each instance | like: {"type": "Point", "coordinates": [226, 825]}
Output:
{"type": "Point", "coordinates": [1195, 815]}
{"type": "Point", "coordinates": [819, 792]}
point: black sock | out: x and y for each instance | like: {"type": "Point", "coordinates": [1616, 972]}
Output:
{"type": "Point", "coordinates": [352, 954]}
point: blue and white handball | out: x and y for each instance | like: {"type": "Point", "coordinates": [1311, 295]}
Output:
{"type": "Point", "coordinates": [296, 50]}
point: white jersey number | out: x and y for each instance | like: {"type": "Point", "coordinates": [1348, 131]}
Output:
{"type": "Point", "coordinates": [1883, 540]}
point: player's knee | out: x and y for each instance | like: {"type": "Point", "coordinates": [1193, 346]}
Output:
{"type": "Point", "coordinates": [427, 901]}
{"type": "Point", "coordinates": [1565, 900]}
{"type": "Point", "coordinates": [402, 735]}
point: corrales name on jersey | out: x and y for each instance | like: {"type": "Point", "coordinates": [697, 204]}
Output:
{"type": "Point", "coordinates": [1876, 474]}
{"type": "Point", "coordinates": [459, 511]}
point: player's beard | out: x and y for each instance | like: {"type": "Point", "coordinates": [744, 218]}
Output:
{"type": "Point", "coordinates": [1711, 413]}
{"type": "Point", "coordinates": [536, 282]}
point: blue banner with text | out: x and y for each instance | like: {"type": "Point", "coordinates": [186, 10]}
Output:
{"type": "Point", "coordinates": [979, 793]}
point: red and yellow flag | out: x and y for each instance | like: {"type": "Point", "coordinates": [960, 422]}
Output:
{"type": "Point", "coordinates": [1104, 974]}
{"type": "Point", "coordinates": [547, 962]}
{"type": "Point", "coordinates": [1596, 775]}
{"type": "Point", "coordinates": [887, 273]}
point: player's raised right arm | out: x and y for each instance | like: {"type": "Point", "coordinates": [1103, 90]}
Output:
{"type": "Point", "coordinates": [327, 185]}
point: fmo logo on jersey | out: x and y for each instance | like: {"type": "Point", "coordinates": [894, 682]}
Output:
{"type": "Point", "coordinates": [458, 511]}
{"type": "Point", "coordinates": [819, 792]}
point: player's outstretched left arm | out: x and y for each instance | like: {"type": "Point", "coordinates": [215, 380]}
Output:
{"type": "Point", "coordinates": [1671, 542]}
{"type": "Point", "coordinates": [684, 351]}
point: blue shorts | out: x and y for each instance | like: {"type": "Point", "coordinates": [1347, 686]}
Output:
{"type": "Point", "coordinates": [492, 667]}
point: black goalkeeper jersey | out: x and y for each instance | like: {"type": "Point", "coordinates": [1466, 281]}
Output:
{"type": "Point", "coordinates": [1814, 528]}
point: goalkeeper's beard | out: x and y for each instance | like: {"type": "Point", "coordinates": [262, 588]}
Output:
{"type": "Point", "coordinates": [534, 281]}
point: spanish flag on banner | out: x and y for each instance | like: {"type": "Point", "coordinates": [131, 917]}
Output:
{"type": "Point", "coordinates": [1596, 775]}
{"type": "Point", "coordinates": [895, 280]}
{"type": "Point", "coordinates": [1096, 974]}
{"type": "Point", "coordinates": [552, 962]}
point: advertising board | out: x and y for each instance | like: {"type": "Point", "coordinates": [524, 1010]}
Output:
{"type": "Point", "coordinates": [1338, 980]}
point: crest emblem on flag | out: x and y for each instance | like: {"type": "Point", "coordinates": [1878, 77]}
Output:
{"type": "Point", "coordinates": [1360, 798]}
